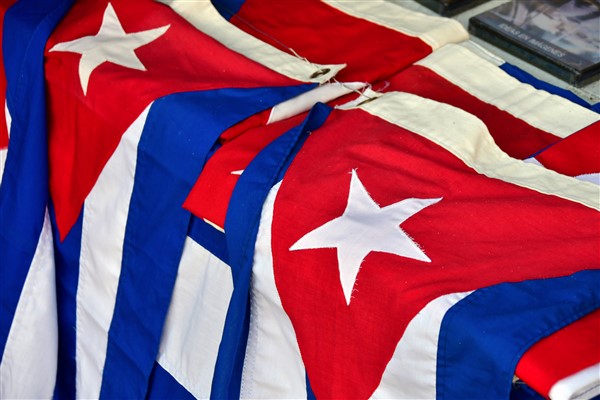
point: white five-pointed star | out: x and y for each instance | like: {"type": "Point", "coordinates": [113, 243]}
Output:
{"type": "Point", "coordinates": [111, 44]}
{"type": "Point", "coordinates": [365, 227]}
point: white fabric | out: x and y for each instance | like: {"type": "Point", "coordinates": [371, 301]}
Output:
{"type": "Point", "coordinates": [205, 18]}
{"type": "Point", "coordinates": [481, 52]}
{"type": "Point", "coordinates": [435, 31]}
{"type": "Point", "coordinates": [592, 178]}
{"type": "Point", "coordinates": [8, 117]}
{"type": "Point", "coordinates": [273, 367]}
{"type": "Point", "coordinates": [4, 152]}
{"type": "Point", "coordinates": [29, 362]}
{"type": "Point", "coordinates": [411, 373]}
{"type": "Point", "coordinates": [100, 260]}
{"type": "Point", "coordinates": [305, 101]}
{"type": "Point", "coordinates": [467, 137]}
{"type": "Point", "coordinates": [490, 84]}
{"type": "Point", "coordinates": [585, 384]}
{"type": "Point", "coordinates": [196, 318]}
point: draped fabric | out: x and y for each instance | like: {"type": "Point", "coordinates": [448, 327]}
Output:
{"type": "Point", "coordinates": [300, 199]}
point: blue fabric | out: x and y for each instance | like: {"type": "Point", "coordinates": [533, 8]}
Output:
{"type": "Point", "coordinates": [525, 77]}
{"type": "Point", "coordinates": [163, 386]}
{"type": "Point", "coordinates": [24, 189]}
{"type": "Point", "coordinates": [209, 238]}
{"type": "Point", "coordinates": [228, 8]}
{"type": "Point", "coordinates": [484, 335]}
{"type": "Point", "coordinates": [180, 131]}
{"type": "Point", "coordinates": [66, 258]}
{"type": "Point", "coordinates": [241, 225]}
{"type": "Point", "coordinates": [310, 395]}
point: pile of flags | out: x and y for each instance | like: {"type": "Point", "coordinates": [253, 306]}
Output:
{"type": "Point", "coordinates": [313, 198]}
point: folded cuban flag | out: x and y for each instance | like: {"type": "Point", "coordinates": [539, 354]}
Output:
{"type": "Point", "coordinates": [374, 38]}
{"type": "Point", "coordinates": [521, 119]}
{"type": "Point", "coordinates": [127, 131]}
{"type": "Point", "coordinates": [403, 255]}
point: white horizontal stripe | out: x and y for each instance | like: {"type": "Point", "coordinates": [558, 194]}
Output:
{"type": "Point", "coordinates": [205, 18]}
{"type": "Point", "coordinates": [483, 53]}
{"type": "Point", "coordinates": [273, 367]}
{"type": "Point", "coordinates": [491, 85]}
{"type": "Point", "coordinates": [28, 368]}
{"type": "Point", "coordinates": [305, 101]}
{"type": "Point", "coordinates": [467, 137]}
{"type": "Point", "coordinates": [585, 384]}
{"type": "Point", "coordinates": [217, 227]}
{"type": "Point", "coordinates": [411, 373]}
{"type": "Point", "coordinates": [194, 325]}
{"type": "Point", "coordinates": [105, 218]}
{"type": "Point", "coordinates": [4, 152]}
{"type": "Point", "coordinates": [8, 118]}
{"type": "Point", "coordinates": [435, 31]}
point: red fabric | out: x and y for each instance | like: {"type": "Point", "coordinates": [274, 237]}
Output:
{"type": "Point", "coordinates": [484, 231]}
{"type": "Point", "coordinates": [254, 121]}
{"type": "Point", "coordinates": [514, 136]}
{"type": "Point", "coordinates": [3, 128]}
{"type": "Point", "coordinates": [572, 349]}
{"type": "Point", "coordinates": [210, 195]}
{"type": "Point", "coordinates": [325, 35]}
{"type": "Point", "coordinates": [85, 130]}
{"type": "Point", "coordinates": [577, 154]}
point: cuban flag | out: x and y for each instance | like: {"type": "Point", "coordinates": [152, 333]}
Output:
{"type": "Point", "coordinates": [127, 136]}
{"type": "Point", "coordinates": [374, 38]}
{"type": "Point", "coordinates": [521, 119]}
{"type": "Point", "coordinates": [402, 255]}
